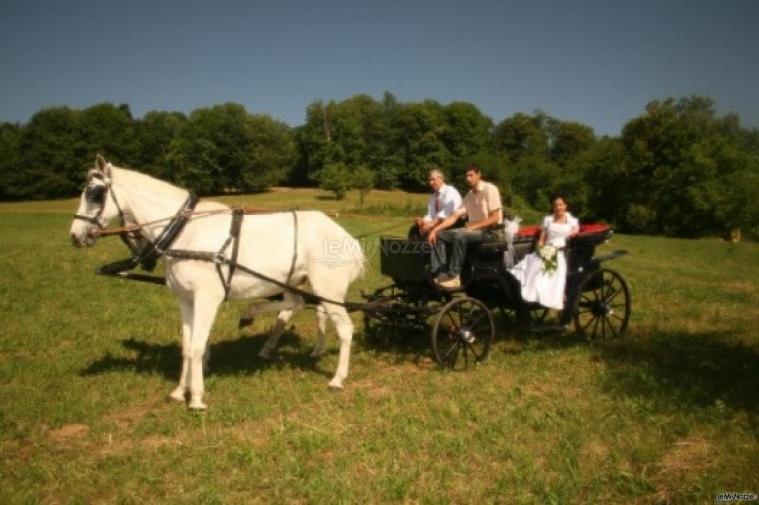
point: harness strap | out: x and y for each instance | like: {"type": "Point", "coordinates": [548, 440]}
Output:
{"type": "Point", "coordinates": [234, 239]}
{"type": "Point", "coordinates": [153, 250]}
{"type": "Point", "coordinates": [90, 219]}
{"type": "Point", "coordinates": [295, 247]}
{"type": "Point", "coordinates": [216, 258]}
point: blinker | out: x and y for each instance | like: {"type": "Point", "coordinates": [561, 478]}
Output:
{"type": "Point", "coordinates": [95, 194]}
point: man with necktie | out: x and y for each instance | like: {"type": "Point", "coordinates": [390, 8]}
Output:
{"type": "Point", "coordinates": [443, 201]}
{"type": "Point", "coordinates": [483, 209]}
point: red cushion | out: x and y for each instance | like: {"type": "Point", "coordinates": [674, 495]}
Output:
{"type": "Point", "coordinates": [585, 229]}
{"type": "Point", "coordinates": [529, 231]}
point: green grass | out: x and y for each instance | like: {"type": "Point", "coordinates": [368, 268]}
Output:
{"type": "Point", "coordinates": [668, 414]}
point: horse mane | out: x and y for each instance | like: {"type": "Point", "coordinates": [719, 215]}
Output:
{"type": "Point", "coordinates": [148, 182]}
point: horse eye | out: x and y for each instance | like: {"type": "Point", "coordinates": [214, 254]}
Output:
{"type": "Point", "coordinates": [95, 194]}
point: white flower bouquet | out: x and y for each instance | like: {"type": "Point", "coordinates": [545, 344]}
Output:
{"type": "Point", "coordinates": [549, 255]}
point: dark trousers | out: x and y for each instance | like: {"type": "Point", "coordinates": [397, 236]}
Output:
{"type": "Point", "coordinates": [456, 240]}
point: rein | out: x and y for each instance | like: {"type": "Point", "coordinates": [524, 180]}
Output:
{"type": "Point", "coordinates": [135, 227]}
{"type": "Point", "coordinates": [161, 247]}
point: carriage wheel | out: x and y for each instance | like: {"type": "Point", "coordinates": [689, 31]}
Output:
{"type": "Point", "coordinates": [462, 334]}
{"type": "Point", "coordinates": [603, 310]}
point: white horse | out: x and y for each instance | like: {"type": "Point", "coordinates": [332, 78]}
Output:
{"type": "Point", "coordinates": [327, 257]}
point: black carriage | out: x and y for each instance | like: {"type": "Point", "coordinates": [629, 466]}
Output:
{"type": "Point", "coordinates": [597, 299]}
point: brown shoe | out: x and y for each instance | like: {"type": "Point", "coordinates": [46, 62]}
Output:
{"type": "Point", "coordinates": [441, 277]}
{"type": "Point", "coordinates": [450, 284]}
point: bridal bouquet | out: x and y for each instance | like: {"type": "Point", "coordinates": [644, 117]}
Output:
{"type": "Point", "coordinates": [549, 255]}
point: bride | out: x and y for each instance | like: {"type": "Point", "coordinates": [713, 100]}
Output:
{"type": "Point", "coordinates": [543, 273]}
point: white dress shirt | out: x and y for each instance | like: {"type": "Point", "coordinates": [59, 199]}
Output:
{"type": "Point", "coordinates": [442, 203]}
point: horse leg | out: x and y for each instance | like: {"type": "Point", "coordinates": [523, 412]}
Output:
{"type": "Point", "coordinates": [248, 317]}
{"type": "Point", "coordinates": [205, 308]}
{"type": "Point", "coordinates": [344, 328]}
{"type": "Point", "coordinates": [279, 327]}
{"type": "Point", "coordinates": [186, 311]}
{"type": "Point", "coordinates": [321, 315]}
{"type": "Point", "coordinates": [295, 302]}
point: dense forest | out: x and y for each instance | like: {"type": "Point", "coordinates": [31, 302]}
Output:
{"type": "Point", "coordinates": [678, 168]}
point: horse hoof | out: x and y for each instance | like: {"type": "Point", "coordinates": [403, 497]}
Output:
{"type": "Point", "coordinates": [335, 386]}
{"type": "Point", "coordinates": [177, 395]}
{"type": "Point", "coordinates": [264, 355]}
{"type": "Point", "coordinates": [198, 406]}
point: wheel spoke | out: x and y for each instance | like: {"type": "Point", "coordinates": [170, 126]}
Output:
{"type": "Point", "coordinates": [590, 321]}
{"type": "Point", "coordinates": [614, 333]}
{"type": "Point", "coordinates": [477, 355]}
{"type": "Point", "coordinates": [450, 356]}
{"type": "Point", "coordinates": [454, 324]}
{"type": "Point", "coordinates": [614, 294]}
{"type": "Point", "coordinates": [595, 327]}
{"type": "Point", "coordinates": [450, 350]}
{"type": "Point", "coordinates": [601, 286]}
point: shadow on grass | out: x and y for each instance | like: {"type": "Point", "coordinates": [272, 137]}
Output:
{"type": "Point", "coordinates": [682, 370]}
{"type": "Point", "coordinates": [397, 346]}
{"type": "Point", "coordinates": [230, 357]}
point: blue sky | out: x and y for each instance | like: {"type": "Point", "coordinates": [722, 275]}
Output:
{"type": "Point", "coordinates": [597, 62]}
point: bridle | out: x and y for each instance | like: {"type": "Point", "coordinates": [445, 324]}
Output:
{"type": "Point", "coordinates": [97, 194]}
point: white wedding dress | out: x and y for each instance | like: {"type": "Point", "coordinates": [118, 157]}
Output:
{"type": "Point", "coordinates": [539, 286]}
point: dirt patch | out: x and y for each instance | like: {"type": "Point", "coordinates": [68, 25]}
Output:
{"type": "Point", "coordinates": [69, 431]}
{"type": "Point", "coordinates": [134, 413]}
{"type": "Point", "coordinates": [740, 287]}
{"type": "Point", "coordinates": [157, 441]}
{"type": "Point", "coordinates": [681, 467]}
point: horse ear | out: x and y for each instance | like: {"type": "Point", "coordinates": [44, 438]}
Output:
{"type": "Point", "coordinates": [100, 163]}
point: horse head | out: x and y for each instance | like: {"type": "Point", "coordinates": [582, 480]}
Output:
{"type": "Point", "coordinates": [97, 205]}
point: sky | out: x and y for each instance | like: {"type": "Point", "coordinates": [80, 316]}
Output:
{"type": "Point", "coordinates": [597, 61]}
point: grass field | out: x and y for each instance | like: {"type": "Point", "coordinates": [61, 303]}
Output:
{"type": "Point", "coordinates": [666, 415]}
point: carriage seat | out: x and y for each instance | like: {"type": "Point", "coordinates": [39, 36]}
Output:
{"type": "Point", "coordinates": [526, 237]}
{"type": "Point", "coordinates": [523, 242]}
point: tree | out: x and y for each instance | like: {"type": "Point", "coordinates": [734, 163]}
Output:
{"type": "Point", "coordinates": [223, 148]}
{"type": "Point", "coordinates": [523, 136]}
{"type": "Point", "coordinates": [271, 153]}
{"type": "Point", "coordinates": [419, 130]}
{"type": "Point", "coordinates": [680, 159]}
{"type": "Point", "coordinates": [467, 131]}
{"type": "Point", "coordinates": [335, 177]}
{"type": "Point", "coordinates": [363, 180]}
{"type": "Point", "coordinates": [109, 130]}
{"type": "Point", "coordinates": [153, 135]}
{"type": "Point", "coordinates": [11, 186]}
{"type": "Point", "coordinates": [52, 157]}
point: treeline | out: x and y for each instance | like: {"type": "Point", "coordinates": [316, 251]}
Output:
{"type": "Point", "coordinates": [678, 169]}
